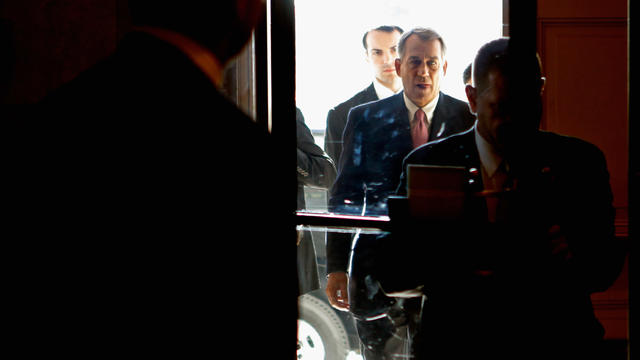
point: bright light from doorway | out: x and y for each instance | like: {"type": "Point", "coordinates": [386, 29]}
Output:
{"type": "Point", "coordinates": [330, 59]}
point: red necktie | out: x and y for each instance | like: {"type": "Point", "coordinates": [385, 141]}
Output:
{"type": "Point", "coordinates": [498, 205]}
{"type": "Point", "coordinates": [419, 129]}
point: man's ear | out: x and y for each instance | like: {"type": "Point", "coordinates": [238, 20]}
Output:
{"type": "Point", "coordinates": [444, 68]}
{"type": "Point", "coordinates": [397, 63]}
{"type": "Point", "coordinates": [472, 93]}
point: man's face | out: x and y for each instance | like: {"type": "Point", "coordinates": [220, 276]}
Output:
{"type": "Point", "coordinates": [490, 106]}
{"type": "Point", "coordinates": [421, 69]}
{"type": "Point", "coordinates": [499, 122]}
{"type": "Point", "coordinates": [382, 50]}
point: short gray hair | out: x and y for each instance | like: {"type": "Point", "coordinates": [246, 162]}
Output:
{"type": "Point", "coordinates": [425, 34]}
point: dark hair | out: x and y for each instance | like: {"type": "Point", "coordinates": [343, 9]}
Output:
{"type": "Point", "coordinates": [383, 28]}
{"type": "Point", "coordinates": [491, 56]}
{"type": "Point", "coordinates": [425, 34]}
{"type": "Point", "coordinates": [215, 24]}
{"type": "Point", "coordinates": [466, 74]}
{"type": "Point", "coordinates": [494, 55]}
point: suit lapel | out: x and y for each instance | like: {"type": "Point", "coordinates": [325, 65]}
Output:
{"type": "Point", "coordinates": [401, 112]}
{"type": "Point", "coordinates": [370, 94]}
{"type": "Point", "coordinates": [393, 108]}
{"type": "Point", "coordinates": [438, 124]}
{"type": "Point", "coordinates": [401, 117]}
{"type": "Point", "coordinates": [393, 124]}
{"type": "Point", "coordinates": [469, 157]}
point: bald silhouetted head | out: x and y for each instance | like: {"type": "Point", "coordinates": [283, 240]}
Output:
{"type": "Point", "coordinates": [223, 26]}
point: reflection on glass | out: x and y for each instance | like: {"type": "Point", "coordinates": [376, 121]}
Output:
{"type": "Point", "coordinates": [332, 64]}
{"type": "Point", "coordinates": [335, 64]}
{"type": "Point", "coordinates": [331, 61]}
{"type": "Point", "coordinates": [324, 332]}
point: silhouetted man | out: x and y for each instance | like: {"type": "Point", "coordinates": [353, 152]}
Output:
{"type": "Point", "coordinates": [145, 176]}
{"type": "Point", "coordinates": [511, 277]}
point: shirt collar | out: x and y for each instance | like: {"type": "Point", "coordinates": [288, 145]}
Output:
{"type": "Point", "coordinates": [489, 157]}
{"type": "Point", "coordinates": [383, 91]}
{"type": "Point", "coordinates": [428, 109]}
{"type": "Point", "coordinates": [202, 57]}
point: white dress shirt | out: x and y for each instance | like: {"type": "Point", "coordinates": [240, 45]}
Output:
{"type": "Point", "coordinates": [383, 91]}
{"type": "Point", "coordinates": [428, 109]}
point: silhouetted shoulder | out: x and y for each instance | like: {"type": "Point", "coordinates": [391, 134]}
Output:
{"type": "Point", "coordinates": [387, 108]}
{"type": "Point", "coordinates": [446, 151]}
{"type": "Point", "coordinates": [365, 96]}
{"type": "Point", "coordinates": [567, 147]}
{"type": "Point", "coordinates": [454, 102]}
{"type": "Point", "coordinates": [460, 110]}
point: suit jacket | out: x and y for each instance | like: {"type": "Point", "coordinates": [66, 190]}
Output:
{"type": "Point", "coordinates": [134, 173]}
{"type": "Point", "coordinates": [528, 294]}
{"type": "Point", "coordinates": [337, 120]}
{"type": "Point", "coordinates": [315, 167]}
{"type": "Point", "coordinates": [376, 140]}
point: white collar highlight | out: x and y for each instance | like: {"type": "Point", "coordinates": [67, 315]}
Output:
{"type": "Point", "coordinates": [428, 109]}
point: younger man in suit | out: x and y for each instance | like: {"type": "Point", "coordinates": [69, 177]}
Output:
{"type": "Point", "coordinates": [381, 46]}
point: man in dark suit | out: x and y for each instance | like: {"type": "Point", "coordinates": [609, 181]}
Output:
{"type": "Point", "coordinates": [315, 169]}
{"type": "Point", "coordinates": [145, 173]}
{"type": "Point", "coordinates": [381, 47]}
{"type": "Point", "coordinates": [513, 276]}
{"type": "Point", "coordinates": [377, 137]}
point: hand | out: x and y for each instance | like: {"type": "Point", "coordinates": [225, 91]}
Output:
{"type": "Point", "coordinates": [336, 290]}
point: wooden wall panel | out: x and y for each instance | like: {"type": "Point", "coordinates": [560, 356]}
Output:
{"type": "Point", "coordinates": [52, 41]}
{"type": "Point", "coordinates": [582, 9]}
{"type": "Point", "coordinates": [586, 91]}
{"type": "Point", "coordinates": [583, 45]}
